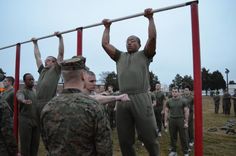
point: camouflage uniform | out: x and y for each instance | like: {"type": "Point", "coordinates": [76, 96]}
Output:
{"type": "Point", "coordinates": [8, 95]}
{"type": "Point", "coordinates": [8, 146]}
{"type": "Point", "coordinates": [74, 123]}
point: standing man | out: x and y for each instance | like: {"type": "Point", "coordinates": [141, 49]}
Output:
{"type": "Point", "coordinates": [216, 99]}
{"type": "Point", "coordinates": [8, 94]}
{"type": "Point", "coordinates": [110, 107]}
{"type": "Point", "coordinates": [29, 128]}
{"type": "Point", "coordinates": [49, 74]}
{"type": "Point", "coordinates": [133, 78]}
{"type": "Point", "coordinates": [189, 100]}
{"type": "Point", "coordinates": [158, 106]}
{"type": "Point", "coordinates": [226, 102]}
{"type": "Point", "coordinates": [74, 123]}
{"type": "Point", "coordinates": [178, 112]}
{"type": "Point", "coordinates": [234, 101]}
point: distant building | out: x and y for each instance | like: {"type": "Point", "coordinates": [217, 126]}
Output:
{"type": "Point", "coordinates": [231, 88]}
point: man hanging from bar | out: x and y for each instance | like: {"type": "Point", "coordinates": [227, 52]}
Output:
{"type": "Point", "coordinates": [133, 78]}
{"type": "Point", "coordinates": [49, 74]}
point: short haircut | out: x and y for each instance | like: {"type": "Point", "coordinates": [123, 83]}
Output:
{"type": "Point", "coordinates": [175, 87]}
{"type": "Point", "coordinates": [89, 72]}
{"type": "Point", "coordinates": [53, 58]}
{"type": "Point", "coordinates": [137, 39]}
{"type": "Point", "coordinates": [187, 86]}
{"type": "Point", "coordinates": [24, 76]}
{"type": "Point", "coordinates": [71, 75]}
{"type": "Point", "coordinates": [11, 79]}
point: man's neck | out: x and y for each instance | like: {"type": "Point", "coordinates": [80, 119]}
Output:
{"type": "Point", "coordinates": [29, 88]}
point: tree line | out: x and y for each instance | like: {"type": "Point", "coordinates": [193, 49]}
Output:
{"type": "Point", "coordinates": [210, 81]}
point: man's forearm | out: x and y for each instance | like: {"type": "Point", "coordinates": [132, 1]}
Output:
{"type": "Point", "coordinates": [37, 55]}
{"type": "Point", "coordinates": [60, 50]}
{"type": "Point", "coordinates": [186, 114]}
{"type": "Point", "coordinates": [20, 97]}
{"type": "Point", "coordinates": [106, 37]}
{"type": "Point", "coordinates": [151, 29]}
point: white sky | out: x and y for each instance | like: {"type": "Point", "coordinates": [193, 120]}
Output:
{"type": "Point", "coordinates": [24, 19]}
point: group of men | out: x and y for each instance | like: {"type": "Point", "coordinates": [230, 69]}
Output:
{"type": "Point", "coordinates": [176, 113]}
{"type": "Point", "coordinates": [226, 102]}
{"type": "Point", "coordinates": [75, 123]}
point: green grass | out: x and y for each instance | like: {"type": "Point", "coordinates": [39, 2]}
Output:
{"type": "Point", "coordinates": [214, 143]}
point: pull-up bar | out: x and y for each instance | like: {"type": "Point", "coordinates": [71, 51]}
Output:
{"type": "Point", "coordinates": [113, 20]}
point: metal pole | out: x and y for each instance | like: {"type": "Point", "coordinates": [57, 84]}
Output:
{"type": "Point", "coordinates": [197, 80]}
{"type": "Point", "coordinates": [227, 82]}
{"type": "Point", "coordinates": [16, 88]}
{"type": "Point", "coordinates": [79, 41]}
{"type": "Point", "coordinates": [113, 20]}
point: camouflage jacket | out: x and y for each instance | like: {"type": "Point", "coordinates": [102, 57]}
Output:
{"type": "Point", "coordinates": [8, 146]}
{"type": "Point", "coordinates": [75, 124]}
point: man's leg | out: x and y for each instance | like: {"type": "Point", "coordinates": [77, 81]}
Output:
{"type": "Point", "coordinates": [159, 119]}
{"type": "Point", "coordinates": [182, 135]}
{"type": "Point", "coordinates": [234, 108]}
{"type": "Point", "coordinates": [35, 141]}
{"type": "Point", "coordinates": [173, 134]}
{"type": "Point", "coordinates": [25, 136]}
{"type": "Point", "coordinates": [125, 128]}
{"type": "Point", "coordinates": [145, 122]}
{"type": "Point", "coordinates": [190, 128]}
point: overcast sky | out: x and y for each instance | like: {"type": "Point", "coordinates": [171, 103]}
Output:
{"type": "Point", "coordinates": [24, 19]}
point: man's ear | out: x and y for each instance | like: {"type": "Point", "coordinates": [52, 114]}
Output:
{"type": "Point", "coordinates": [83, 75]}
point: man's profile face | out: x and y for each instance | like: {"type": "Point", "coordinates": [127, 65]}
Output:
{"type": "Point", "coordinates": [90, 82]}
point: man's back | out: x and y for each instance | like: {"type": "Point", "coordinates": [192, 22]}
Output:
{"type": "Point", "coordinates": [75, 124]}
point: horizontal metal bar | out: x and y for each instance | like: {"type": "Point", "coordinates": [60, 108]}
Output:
{"type": "Point", "coordinates": [113, 20]}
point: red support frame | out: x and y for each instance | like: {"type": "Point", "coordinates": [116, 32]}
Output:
{"type": "Point", "coordinates": [196, 70]}
{"type": "Point", "coordinates": [197, 80]}
{"type": "Point", "coordinates": [16, 88]}
{"type": "Point", "coordinates": [79, 41]}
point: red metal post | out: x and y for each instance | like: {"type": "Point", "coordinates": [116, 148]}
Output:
{"type": "Point", "coordinates": [197, 80]}
{"type": "Point", "coordinates": [16, 87]}
{"type": "Point", "coordinates": [79, 41]}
